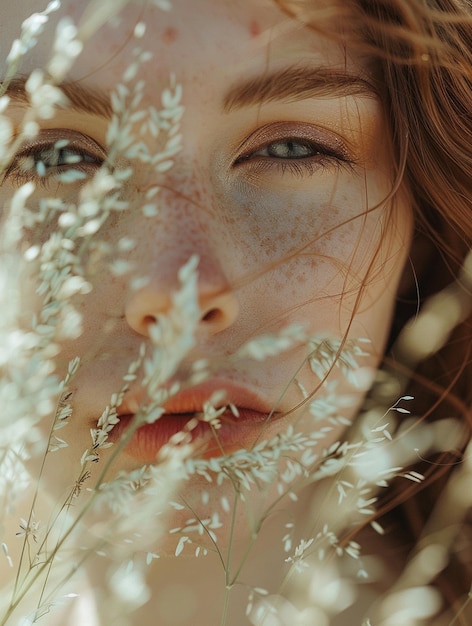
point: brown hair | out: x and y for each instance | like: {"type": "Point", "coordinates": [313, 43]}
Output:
{"type": "Point", "coordinates": [421, 55]}
{"type": "Point", "coordinates": [425, 56]}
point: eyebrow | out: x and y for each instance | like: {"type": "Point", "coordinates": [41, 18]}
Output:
{"type": "Point", "coordinates": [296, 83]}
{"type": "Point", "coordinates": [81, 98]}
{"type": "Point", "coordinates": [290, 84]}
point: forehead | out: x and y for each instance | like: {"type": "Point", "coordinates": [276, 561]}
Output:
{"type": "Point", "coordinates": [204, 38]}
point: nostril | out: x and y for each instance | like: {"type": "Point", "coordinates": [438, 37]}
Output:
{"type": "Point", "coordinates": [149, 320]}
{"type": "Point", "coordinates": [213, 315]}
{"type": "Point", "coordinates": [218, 310]}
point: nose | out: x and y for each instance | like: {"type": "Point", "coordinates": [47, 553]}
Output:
{"type": "Point", "coordinates": [188, 225]}
{"type": "Point", "coordinates": [218, 303]}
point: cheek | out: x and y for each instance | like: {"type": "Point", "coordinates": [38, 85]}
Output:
{"type": "Point", "coordinates": [376, 295]}
{"type": "Point", "coordinates": [320, 233]}
{"type": "Point", "coordinates": [324, 256]}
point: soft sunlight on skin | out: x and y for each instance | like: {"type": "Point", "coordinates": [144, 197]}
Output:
{"type": "Point", "coordinates": [207, 230]}
{"type": "Point", "coordinates": [235, 312]}
{"type": "Point", "coordinates": [280, 240]}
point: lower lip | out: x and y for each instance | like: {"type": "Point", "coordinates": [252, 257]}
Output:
{"type": "Point", "coordinates": [234, 434]}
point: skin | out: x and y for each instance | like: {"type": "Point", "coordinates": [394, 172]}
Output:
{"type": "Point", "coordinates": [317, 245]}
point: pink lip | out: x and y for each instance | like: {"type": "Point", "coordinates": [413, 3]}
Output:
{"type": "Point", "coordinates": [235, 432]}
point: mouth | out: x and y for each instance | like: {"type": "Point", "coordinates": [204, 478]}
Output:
{"type": "Point", "coordinates": [241, 419]}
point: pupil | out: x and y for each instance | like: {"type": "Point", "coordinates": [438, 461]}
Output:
{"type": "Point", "coordinates": [54, 157]}
{"type": "Point", "coordinates": [290, 149]}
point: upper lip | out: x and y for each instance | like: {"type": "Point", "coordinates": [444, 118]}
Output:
{"type": "Point", "coordinates": [192, 399]}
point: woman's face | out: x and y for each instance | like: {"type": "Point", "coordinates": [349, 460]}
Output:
{"type": "Point", "coordinates": [279, 188]}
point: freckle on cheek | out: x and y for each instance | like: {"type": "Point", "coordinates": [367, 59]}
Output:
{"type": "Point", "coordinates": [170, 35]}
{"type": "Point", "coordinates": [254, 28]}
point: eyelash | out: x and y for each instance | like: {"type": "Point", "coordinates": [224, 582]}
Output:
{"type": "Point", "coordinates": [87, 164]}
{"type": "Point", "coordinates": [322, 157]}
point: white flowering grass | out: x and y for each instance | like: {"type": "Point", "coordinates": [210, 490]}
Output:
{"type": "Point", "coordinates": [48, 541]}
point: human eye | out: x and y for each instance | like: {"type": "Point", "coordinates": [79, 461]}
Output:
{"type": "Point", "coordinates": [293, 148]}
{"type": "Point", "coordinates": [55, 155]}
